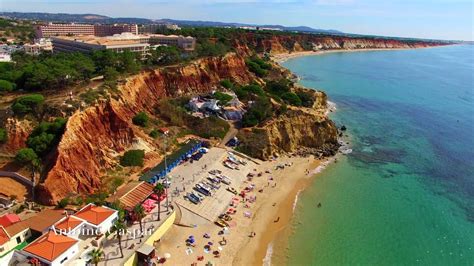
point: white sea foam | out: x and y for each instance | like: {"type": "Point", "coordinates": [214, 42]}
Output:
{"type": "Point", "coordinates": [296, 199]}
{"type": "Point", "coordinates": [267, 261]}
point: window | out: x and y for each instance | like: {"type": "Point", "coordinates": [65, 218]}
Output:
{"type": "Point", "coordinates": [2, 249]}
{"type": "Point", "coordinates": [63, 260]}
{"type": "Point", "coordinates": [18, 240]}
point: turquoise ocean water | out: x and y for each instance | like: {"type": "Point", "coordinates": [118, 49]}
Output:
{"type": "Point", "coordinates": [405, 196]}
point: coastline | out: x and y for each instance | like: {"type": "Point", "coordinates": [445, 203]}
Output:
{"type": "Point", "coordinates": [280, 58]}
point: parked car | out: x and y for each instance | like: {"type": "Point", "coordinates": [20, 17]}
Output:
{"type": "Point", "coordinates": [191, 197]}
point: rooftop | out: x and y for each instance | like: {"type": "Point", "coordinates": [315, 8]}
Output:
{"type": "Point", "coordinates": [132, 194]}
{"type": "Point", "coordinates": [4, 237]}
{"type": "Point", "coordinates": [94, 214]}
{"type": "Point", "coordinates": [45, 219]}
{"type": "Point", "coordinates": [69, 223]}
{"type": "Point", "coordinates": [50, 246]}
{"type": "Point", "coordinates": [117, 39]}
{"type": "Point", "coordinates": [8, 219]}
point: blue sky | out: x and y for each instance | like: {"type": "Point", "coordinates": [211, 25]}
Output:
{"type": "Point", "coordinates": [439, 19]}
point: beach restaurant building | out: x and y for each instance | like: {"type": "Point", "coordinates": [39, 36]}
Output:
{"type": "Point", "coordinates": [161, 170]}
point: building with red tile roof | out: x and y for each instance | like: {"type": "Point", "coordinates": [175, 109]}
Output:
{"type": "Point", "coordinates": [99, 218]}
{"type": "Point", "coordinates": [9, 219]}
{"type": "Point", "coordinates": [53, 248]}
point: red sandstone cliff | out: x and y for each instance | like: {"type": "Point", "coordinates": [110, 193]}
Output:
{"type": "Point", "coordinates": [94, 137]}
{"type": "Point", "coordinates": [277, 44]}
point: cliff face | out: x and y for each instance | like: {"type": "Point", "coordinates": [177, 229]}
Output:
{"type": "Point", "coordinates": [296, 128]}
{"type": "Point", "coordinates": [95, 136]}
{"type": "Point", "coordinates": [18, 132]}
{"type": "Point", "coordinates": [294, 43]}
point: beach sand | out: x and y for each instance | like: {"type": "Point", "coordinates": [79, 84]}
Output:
{"type": "Point", "coordinates": [275, 203]}
{"type": "Point", "coordinates": [280, 58]}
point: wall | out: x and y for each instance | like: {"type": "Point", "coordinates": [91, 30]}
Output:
{"type": "Point", "coordinates": [133, 260]}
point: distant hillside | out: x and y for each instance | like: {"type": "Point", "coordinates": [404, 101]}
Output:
{"type": "Point", "coordinates": [94, 18]}
{"type": "Point", "coordinates": [225, 24]}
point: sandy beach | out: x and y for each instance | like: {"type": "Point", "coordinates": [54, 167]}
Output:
{"type": "Point", "coordinates": [280, 58]}
{"type": "Point", "coordinates": [275, 192]}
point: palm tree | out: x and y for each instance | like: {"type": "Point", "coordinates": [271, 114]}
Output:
{"type": "Point", "coordinates": [139, 213]}
{"type": "Point", "coordinates": [96, 256]}
{"type": "Point", "coordinates": [119, 228]}
{"type": "Point", "coordinates": [159, 191]}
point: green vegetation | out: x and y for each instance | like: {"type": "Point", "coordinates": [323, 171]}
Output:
{"type": "Point", "coordinates": [291, 98]}
{"type": "Point", "coordinates": [61, 70]}
{"type": "Point", "coordinates": [154, 133]}
{"type": "Point", "coordinates": [27, 156]}
{"type": "Point", "coordinates": [27, 104]}
{"type": "Point", "coordinates": [306, 98]}
{"type": "Point", "coordinates": [6, 85]}
{"type": "Point", "coordinates": [21, 30]}
{"type": "Point", "coordinates": [3, 135]}
{"type": "Point", "coordinates": [223, 98]}
{"type": "Point", "coordinates": [46, 136]}
{"type": "Point", "coordinates": [281, 90]}
{"type": "Point", "coordinates": [205, 48]}
{"type": "Point", "coordinates": [91, 95]}
{"type": "Point", "coordinates": [249, 92]}
{"type": "Point", "coordinates": [173, 112]}
{"type": "Point", "coordinates": [133, 158]}
{"type": "Point", "coordinates": [164, 55]}
{"type": "Point", "coordinates": [259, 111]}
{"type": "Point", "coordinates": [258, 66]}
{"type": "Point", "coordinates": [227, 84]}
{"type": "Point", "coordinates": [63, 203]}
{"type": "Point", "coordinates": [141, 119]}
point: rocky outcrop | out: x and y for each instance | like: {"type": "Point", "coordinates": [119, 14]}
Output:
{"type": "Point", "coordinates": [17, 132]}
{"type": "Point", "coordinates": [296, 128]}
{"type": "Point", "coordinates": [94, 137]}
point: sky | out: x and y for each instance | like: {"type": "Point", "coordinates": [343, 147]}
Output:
{"type": "Point", "coordinates": [435, 19]}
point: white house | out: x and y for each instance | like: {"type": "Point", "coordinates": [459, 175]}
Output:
{"type": "Point", "coordinates": [69, 226]}
{"type": "Point", "coordinates": [97, 219]}
{"type": "Point", "coordinates": [52, 249]}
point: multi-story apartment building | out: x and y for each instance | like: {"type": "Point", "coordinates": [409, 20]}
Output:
{"type": "Point", "coordinates": [120, 42]}
{"type": "Point", "coordinates": [72, 29]}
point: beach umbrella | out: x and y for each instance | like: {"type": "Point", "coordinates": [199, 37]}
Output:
{"type": "Point", "coordinates": [167, 255]}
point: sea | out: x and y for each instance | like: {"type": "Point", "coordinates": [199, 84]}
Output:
{"type": "Point", "coordinates": [405, 195]}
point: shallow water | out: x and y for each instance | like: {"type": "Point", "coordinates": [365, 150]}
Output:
{"type": "Point", "coordinates": [405, 195]}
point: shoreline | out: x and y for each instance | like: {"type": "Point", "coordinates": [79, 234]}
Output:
{"type": "Point", "coordinates": [281, 58]}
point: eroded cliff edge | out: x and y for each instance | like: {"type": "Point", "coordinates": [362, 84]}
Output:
{"type": "Point", "coordinates": [96, 136]}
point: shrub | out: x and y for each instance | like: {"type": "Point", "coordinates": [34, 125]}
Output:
{"type": "Point", "coordinates": [278, 87]}
{"type": "Point", "coordinates": [46, 136]}
{"type": "Point", "coordinates": [226, 83]}
{"type": "Point", "coordinates": [27, 104]}
{"type": "Point", "coordinates": [256, 69]}
{"type": "Point", "coordinates": [6, 85]}
{"type": "Point", "coordinates": [133, 158]}
{"type": "Point", "coordinates": [27, 156]}
{"type": "Point", "coordinates": [141, 119]}
{"type": "Point", "coordinates": [258, 112]}
{"type": "Point", "coordinates": [154, 133]}
{"type": "Point", "coordinates": [306, 98]}
{"type": "Point", "coordinates": [223, 98]}
{"type": "Point", "coordinates": [63, 203]}
{"type": "Point", "coordinates": [3, 135]}
{"type": "Point", "coordinates": [291, 98]}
